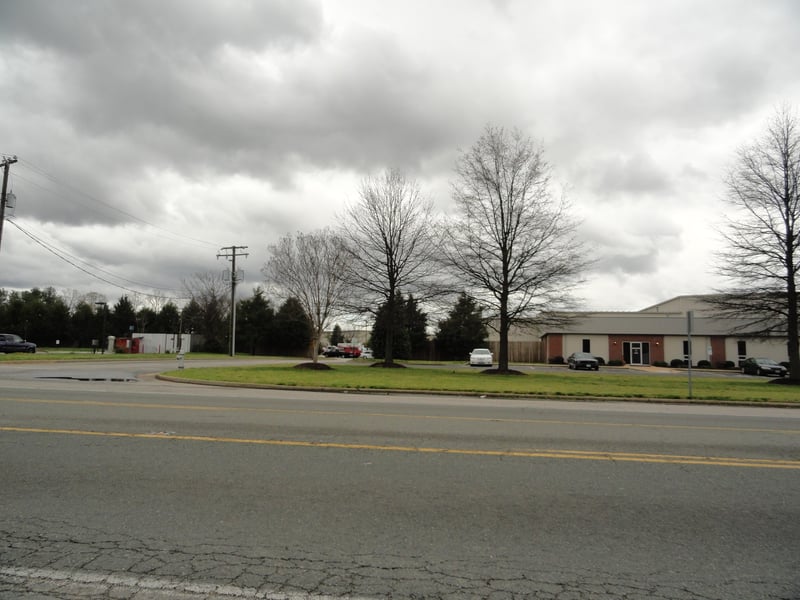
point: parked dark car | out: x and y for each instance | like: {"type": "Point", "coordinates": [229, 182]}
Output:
{"type": "Point", "coordinates": [11, 342]}
{"type": "Point", "coordinates": [762, 366]}
{"type": "Point", "coordinates": [583, 360]}
{"type": "Point", "coordinates": [332, 352]}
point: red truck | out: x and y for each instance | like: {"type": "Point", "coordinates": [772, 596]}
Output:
{"type": "Point", "coordinates": [343, 350]}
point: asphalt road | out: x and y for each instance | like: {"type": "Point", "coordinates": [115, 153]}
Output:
{"type": "Point", "coordinates": [120, 486]}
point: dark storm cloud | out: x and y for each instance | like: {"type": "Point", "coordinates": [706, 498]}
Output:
{"type": "Point", "coordinates": [237, 122]}
{"type": "Point", "coordinates": [87, 27]}
{"type": "Point", "coordinates": [136, 86]}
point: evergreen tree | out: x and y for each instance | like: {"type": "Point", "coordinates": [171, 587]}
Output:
{"type": "Point", "coordinates": [168, 319]}
{"type": "Point", "coordinates": [85, 326]}
{"type": "Point", "coordinates": [336, 335]}
{"type": "Point", "coordinates": [408, 326]}
{"type": "Point", "coordinates": [291, 334]}
{"type": "Point", "coordinates": [254, 323]}
{"type": "Point", "coordinates": [416, 324]}
{"type": "Point", "coordinates": [192, 316]}
{"type": "Point", "coordinates": [122, 318]}
{"type": "Point", "coordinates": [462, 330]}
{"type": "Point", "coordinates": [146, 321]}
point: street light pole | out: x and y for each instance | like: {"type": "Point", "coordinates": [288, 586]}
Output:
{"type": "Point", "coordinates": [103, 328]}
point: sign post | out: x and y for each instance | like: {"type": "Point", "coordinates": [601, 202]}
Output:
{"type": "Point", "coordinates": [689, 321]}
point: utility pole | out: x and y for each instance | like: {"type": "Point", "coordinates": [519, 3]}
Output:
{"type": "Point", "coordinates": [231, 252]}
{"type": "Point", "coordinates": [7, 162]}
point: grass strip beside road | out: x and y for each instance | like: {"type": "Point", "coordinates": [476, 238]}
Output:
{"type": "Point", "coordinates": [54, 354]}
{"type": "Point", "coordinates": [544, 384]}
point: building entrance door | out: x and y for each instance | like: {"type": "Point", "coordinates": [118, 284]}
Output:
{"type": "Point", "coordinates": [636, 353]}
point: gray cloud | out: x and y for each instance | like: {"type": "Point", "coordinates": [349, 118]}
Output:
{"type": "Point", "coordinates": [237, 122]}
{"type": "Point", "coordinates": [633, 174]}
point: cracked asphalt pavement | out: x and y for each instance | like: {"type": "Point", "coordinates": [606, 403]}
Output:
{"type": "Point", "coordinates": [145, 490]}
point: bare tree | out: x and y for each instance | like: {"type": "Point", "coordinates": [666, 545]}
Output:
{"type": "Point", "coordinates": [209, 292]}
{"type": "Point", "coordinates": [511, 244]}
{"type": "Point", "coordinates": [156, 301]}
{"type": "Point", "coordinates": [388, 234]}
{"type": "Point", "coordinates": [762, 235]}
{"type": "Point", "coordinates": [310, 267]}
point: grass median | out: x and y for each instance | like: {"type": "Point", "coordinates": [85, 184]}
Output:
{"type": "Point", "coordinates": [57, 354]}
{"type": "Point", "coordinates": [534, 384]}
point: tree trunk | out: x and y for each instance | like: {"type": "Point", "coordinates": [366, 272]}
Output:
{"type": "Point", "coordinates": [792, 337]}
{"type": "Point", "coordinates": [502, 358]}
{"type": "Point", "coordinates": [314, 349]}
{"type": "Point", "coordinates": [391, 309]}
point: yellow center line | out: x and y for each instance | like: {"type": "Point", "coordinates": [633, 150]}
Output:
{"type": "Point", "coordinates": [718, 461]}
{"type": "Point", "coordinates": [339, 413]}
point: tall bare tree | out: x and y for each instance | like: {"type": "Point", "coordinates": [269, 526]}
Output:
{"type": "Point", "coordinates": [512, 243]}
{"type": "Point", "coordinates": [762, 235]}
{"type": "Point", "coordinates": [209, 293]}
{"type": "Point", "coordinates": [388, 234]}
{"type": "Point", "coordinates": [310, 267]}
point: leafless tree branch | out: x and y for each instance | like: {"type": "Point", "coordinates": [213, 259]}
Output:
{"type": "Point", "coordinates": [512, 243]}
{"type": "Point", "coordinates": [762, 235]}
{"type": "Point", "coordinates": [311, 268]}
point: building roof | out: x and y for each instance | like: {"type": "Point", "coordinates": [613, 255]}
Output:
{"type": "Point", "coordinates": [666, 318]}
{"type": "Point", "coordinates": [644, 324]}
{"type": "Point", "coordinates": [697, 303]}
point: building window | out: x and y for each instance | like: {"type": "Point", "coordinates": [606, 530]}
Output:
{"type": "Point", "coordinates": [741, 350]}
{"type": "Point", "coordinates": [587, 345]}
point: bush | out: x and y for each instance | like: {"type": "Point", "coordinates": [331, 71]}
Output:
{"type": "Point", "coordinates": [556, 360]}
{"type": "Point", "coordinates": [703, 364]}
{"type": "Point", "coordinates": [600, 360]}
{"type": "Point", "coordinates": [677, 363]}
{"type": "Point", "coordinates": [616, 363]}
{"type": "Point", "coordinates": [728, 364]}
{"type": "Point", "coordinates": [660, 363]}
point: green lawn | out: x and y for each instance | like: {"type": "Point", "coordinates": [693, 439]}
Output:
{"type": "Point", "coordinates": [544, 384]}
{"type": "Point", "coordinates": [86, 354]}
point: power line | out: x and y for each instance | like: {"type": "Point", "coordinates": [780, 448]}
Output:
{"type": "Point", "coordinates": [50, 245]}
{"type": "Point", "coordinates": [63, 186]}
{"type": "Point", "coordinates": [60, 254]}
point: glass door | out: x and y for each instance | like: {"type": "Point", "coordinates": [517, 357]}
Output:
{"type": "Point", "coordinates": [636, 353]}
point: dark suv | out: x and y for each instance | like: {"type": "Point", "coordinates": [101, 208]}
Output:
{"type": "Point", "coordinates": [11, 342]}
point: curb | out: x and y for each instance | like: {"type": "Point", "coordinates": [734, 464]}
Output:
{"type": "Point", "coordinates": [531, 397]}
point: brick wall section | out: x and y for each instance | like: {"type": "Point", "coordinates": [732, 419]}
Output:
{"type": "Point", "coordinates": [555, 345]}
{"type": "Point", "coordinates": [717, 350]}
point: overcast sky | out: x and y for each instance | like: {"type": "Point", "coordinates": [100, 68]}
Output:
{"type": "Point", "coordinates": [151, 134]}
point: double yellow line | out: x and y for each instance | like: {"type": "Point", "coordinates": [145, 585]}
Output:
{"type": "Point", "coordinates": [717, 461]}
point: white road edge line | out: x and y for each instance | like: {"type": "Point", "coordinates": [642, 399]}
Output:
{"type": "Point", "coordinates": [152, 584]}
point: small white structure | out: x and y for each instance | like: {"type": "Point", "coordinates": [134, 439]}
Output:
{"type": "Point", "coordinates": [164, 343]}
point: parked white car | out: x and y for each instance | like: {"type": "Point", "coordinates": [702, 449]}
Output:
{"type": "Point", "coordinates": [481, 357]}
{"type": "Point", "coordinates": [367, 353]}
